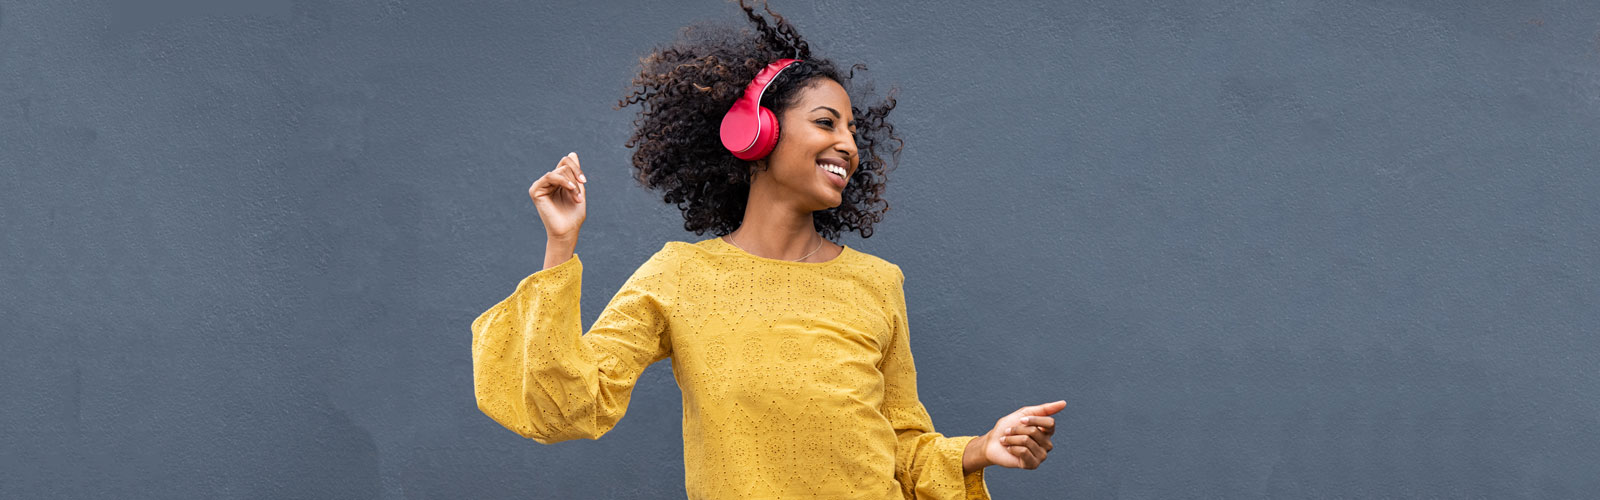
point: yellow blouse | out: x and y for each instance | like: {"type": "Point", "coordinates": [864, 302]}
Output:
{"type": "Point", "coordinates": [797, 378]}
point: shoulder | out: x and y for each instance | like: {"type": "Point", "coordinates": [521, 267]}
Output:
{"type": "Point", "coordinates": [676, 257]}
{"type": "Point", "coordinates": [662, 267]}
{"type": "Point", "coordinates": [670, 256]}
{"type": "Point", "coordinates": [880, 266]}
{"type": "Point", "coordinates": [678, 252]}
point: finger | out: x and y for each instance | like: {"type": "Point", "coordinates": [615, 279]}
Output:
{"type": "Point", "coordinates": [1015, 441]}
{"type": "Point", "coordinates": [547, 186]}
{"type": "Point", "coordinates": [1033, 433]}
{"type": "Point", "coordinates": [1047, 424]}
{"type": "Point", "coordinates": [1033, 447]}
{"type": "Point", "coordinates": [543, 185]}
{"type": "Point", "coordinates": [1041, 439]}
{"type": "Point", "coordinates": [569, 180]}
{"type": "Point", "coordinates": [577, 167]}
{"type": "Point", "coordinates": [1039, 421]}
{"type": "Point", "coordinates": [1028, 429]}
{"type": "Point", "coordinates": [1024, 447]}
{"type": "Point", "coordinates": [1025, 455]}
{"type": "Point", "coordinates": [552, 184]}
{"type": "Point", "coordinates": [1044, 409]}
{"type": "Point", "coordinates": [569, 177]}
{"type": "Point", "coordinates": [565, 170]}
{"type": "Point", "coordinates": [536, 187]}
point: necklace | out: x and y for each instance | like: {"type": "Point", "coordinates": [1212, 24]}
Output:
{"type": "Point", "coordinates": [814, 250]}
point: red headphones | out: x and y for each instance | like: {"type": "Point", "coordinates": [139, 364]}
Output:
{"type": "Point", "coordinates": [749, 130]}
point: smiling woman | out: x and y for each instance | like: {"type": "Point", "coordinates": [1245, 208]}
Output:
{"type": "Point", "coordinates": [793, 353]}
{"type": "Point", "coordinates": [685, 88]}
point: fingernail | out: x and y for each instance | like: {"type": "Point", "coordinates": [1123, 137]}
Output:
{"type": "Point", "coordinates": [1024, 420]}
{"type": "Point", "coordinates": [582, 178]}
{"type": "Point", "coordinates": [1009, 429]}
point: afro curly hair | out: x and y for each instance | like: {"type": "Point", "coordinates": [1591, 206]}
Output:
{"type": "Point", "coordinates": [684, 88]}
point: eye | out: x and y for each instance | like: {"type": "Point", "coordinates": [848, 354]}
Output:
{"type": "Point", "coordinates": [825, 122]}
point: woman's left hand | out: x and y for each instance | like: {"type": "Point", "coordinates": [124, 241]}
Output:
{"type": "Point", "coordinates": [1021, 440]}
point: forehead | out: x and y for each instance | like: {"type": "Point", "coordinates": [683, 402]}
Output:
{"type": "Point", "coordinates": [824, 92]}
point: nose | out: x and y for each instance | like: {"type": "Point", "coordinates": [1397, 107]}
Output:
{"type": "Point", "coordinates": [846, 145]}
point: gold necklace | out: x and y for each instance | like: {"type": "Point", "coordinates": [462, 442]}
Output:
{"type": "Point", "coordinates": [729, 237]}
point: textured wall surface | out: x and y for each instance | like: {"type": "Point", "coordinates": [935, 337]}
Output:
{"type": "Point", "coordinates": [1263, 249]}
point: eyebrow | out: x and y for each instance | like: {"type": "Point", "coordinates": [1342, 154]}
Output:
{"type": "Point", "coordinates": [835, 113]}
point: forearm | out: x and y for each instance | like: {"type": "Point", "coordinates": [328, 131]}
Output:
{"type": "Point", "coordinates": [972, 459]}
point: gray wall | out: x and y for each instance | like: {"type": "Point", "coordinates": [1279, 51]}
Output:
{"type": "Point", "coordinates": [1290, 249]}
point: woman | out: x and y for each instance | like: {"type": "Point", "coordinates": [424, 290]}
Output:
{"type": "Point", "coordinates": [792, 351]}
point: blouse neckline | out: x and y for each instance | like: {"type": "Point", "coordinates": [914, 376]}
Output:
{"type": "Point", "coordinates": [843, 252]}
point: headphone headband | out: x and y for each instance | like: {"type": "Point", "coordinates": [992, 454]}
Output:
{"type": "Point", "coordinates": [748, 130]}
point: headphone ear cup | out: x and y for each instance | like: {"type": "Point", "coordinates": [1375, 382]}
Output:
{"type": "Point", "coordinates": [739, 131]}
{"type": "Point", "coordinates": [766, 134]}
{"type": "Point", "coordinates": [749, 130]}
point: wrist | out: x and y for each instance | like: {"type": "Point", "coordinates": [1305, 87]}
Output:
{"type": "Point", "coordinates": [568, 240]}
{"type": "Point", "coordinates": [972, 458]}
{"type": "Point", "coordinates": [558, 250]}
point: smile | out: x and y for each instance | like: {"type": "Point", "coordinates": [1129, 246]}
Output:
{"type": "Point", "coordinates": [836, 174]}
{"type": "Point", "coordinates": [832, 169]}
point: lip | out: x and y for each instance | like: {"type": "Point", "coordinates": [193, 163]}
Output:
{"type": "Point", "coordinates": [837, 181]}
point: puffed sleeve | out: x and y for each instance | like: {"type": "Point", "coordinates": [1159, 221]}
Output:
{"type": "Point", "coordinates": [927, 463]}
{"type": "Point", "coordinates": [537, 374]}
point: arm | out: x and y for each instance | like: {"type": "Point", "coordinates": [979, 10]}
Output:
{"type": "Point", "coordinates": [927, 463]}
{"type": "Point", "coordinates": [537, 374]}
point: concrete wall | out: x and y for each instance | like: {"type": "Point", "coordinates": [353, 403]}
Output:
{"type": "Point", "coordinates": [1276, 249]}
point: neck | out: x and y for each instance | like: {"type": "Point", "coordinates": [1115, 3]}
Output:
{"type": "Point", "coordinates": [775, 229]}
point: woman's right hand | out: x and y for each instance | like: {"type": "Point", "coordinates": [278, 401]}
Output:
{"type": "Point", "coordinates": [558, 195]}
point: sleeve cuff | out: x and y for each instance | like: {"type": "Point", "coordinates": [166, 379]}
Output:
{"type": "Point", "coordinates": [557, 273]}
{"type": "Point", "coordinates": [972, 483]}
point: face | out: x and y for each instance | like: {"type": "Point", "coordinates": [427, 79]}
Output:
{"type": "Point", "coordinates": [818, 131]}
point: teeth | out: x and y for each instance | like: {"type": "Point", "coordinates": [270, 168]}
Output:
{"type": "Point", "coordinates": [835, 169]}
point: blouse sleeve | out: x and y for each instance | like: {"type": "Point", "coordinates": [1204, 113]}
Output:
{"type": "Point", "coordinates": [537, 374]}
{"type": "Point", "coordinates": [927, 463]}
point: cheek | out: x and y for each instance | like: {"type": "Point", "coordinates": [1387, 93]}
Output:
{"type": "Point", "coordinates": [798, 145]}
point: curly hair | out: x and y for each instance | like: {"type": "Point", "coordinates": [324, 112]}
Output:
{"type": "Point", "coordinates": [684, 88]}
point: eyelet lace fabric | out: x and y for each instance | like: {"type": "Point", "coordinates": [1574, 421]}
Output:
{"type": "Point", "coordinates": [797, 378]}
